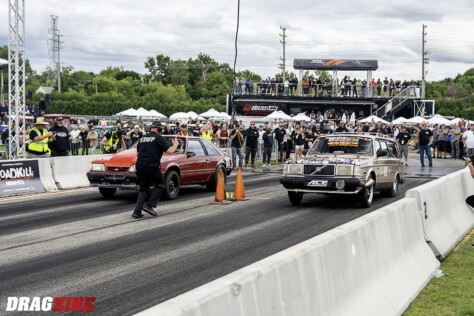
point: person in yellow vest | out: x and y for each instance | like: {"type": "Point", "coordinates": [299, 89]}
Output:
{"type": "Point", "coordinates": [111, 141]}
{"type": "Point", "coordinates": [206, 132]}
{"type": "Point", "coordinates": [38, 139]}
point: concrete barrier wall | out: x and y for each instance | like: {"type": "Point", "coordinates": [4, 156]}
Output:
{"type": "Point", "coordinates": [71, 172]}
{"type": "Point", "coordinates": [46, 174]}
{"type": "Point", "coordinates": [374, 265]}
{"type": "Point", "coordinates": [445, 215]}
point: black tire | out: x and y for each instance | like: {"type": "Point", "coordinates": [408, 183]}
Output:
{"type": "Point", "coordinates": [171, 185]}
{"type": "Point", "coordinates": [394, 190]}
{"type": "Point", "coordinates": [107, 192]}
{"type": "Point", "coordinates": [212, 185]}
{"type": "Point", "coordinates": [366, 195]}
{"type": "Point", "coordinates": [295, 197]}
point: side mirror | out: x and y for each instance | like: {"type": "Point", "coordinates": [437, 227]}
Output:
{"type": "Point", "coordinates": [190, 154]}
{"type": "Point", "coordinates": [382, 153]}
{"type": "Point", "coordinates": [305, 151]}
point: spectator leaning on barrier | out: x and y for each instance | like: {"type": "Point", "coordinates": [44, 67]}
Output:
{"type": "Point", "coordinates": [59, 145]}
{"type": "Point", "coordinates": [236, 145]}
{"type": "Point", "coordinates": [251, 144]}
{"type": "Point", "coordinates": [111, 141]}
{"type": "Point", "coordinates": [38, 139]}
{"type": "Point", "coordinates": [424, 139]}
{"type": "Point", "coordinates": [468, 141]}
{"type": "Point", "coordinates": [93, 139]}
{"type": "Point", "coordinates": [402, 140]}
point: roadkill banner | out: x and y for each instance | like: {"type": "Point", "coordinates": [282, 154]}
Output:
{"type": "Point", "coordinates": [17, 177]}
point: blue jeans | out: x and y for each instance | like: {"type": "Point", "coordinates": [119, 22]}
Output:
{"type": "Point", "coordinates": [240, 152]}
{"type": "Point", "coordinates": [422, 155]}
{"type": "Point", "coordinates": [281, 150]}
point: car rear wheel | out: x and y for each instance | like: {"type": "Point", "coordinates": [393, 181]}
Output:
{"type": "Point", "coordinates": [366, 195]}
{"type": "Point", "coordinates": [295, 197]}
{"type": "Point", "coordinates": [212, 185]}
{"type": "Point", "coordinates": [171, 185]}
{"type": "Point", "coordinates": [107, 192]}
{"type": "Point", "coordinates": [394, 190]}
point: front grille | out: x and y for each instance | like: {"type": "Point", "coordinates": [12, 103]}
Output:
{"type": "Point", "coordinates": [117, 169]}
{"type": "Point", "coordinates": [320, 170]}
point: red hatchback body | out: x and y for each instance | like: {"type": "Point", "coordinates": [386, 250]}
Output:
{"type": "Point", "coordinates": [196, 161]}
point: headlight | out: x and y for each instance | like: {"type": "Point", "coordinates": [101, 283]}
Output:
{"type": "Point", "coordinates": [357, 170]}
{"type": "Point", "coordinates": [344, 170]}
{"type": "Point", "coordinates": [295, 169]}
{"type": "Point", "coordinates": [132, 169]}
{"type": "Point", "coordinates": [98, 167]}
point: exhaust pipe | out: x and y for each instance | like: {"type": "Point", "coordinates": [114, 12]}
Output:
{"type": "Point", "coordinates": [369, 183]}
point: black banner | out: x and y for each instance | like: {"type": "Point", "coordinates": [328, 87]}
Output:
{"type": "Point", "coordinates": [18, 177]}
{"type": "Point", "coordinates": [338, 64]}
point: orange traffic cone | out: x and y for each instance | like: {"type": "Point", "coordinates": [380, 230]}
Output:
{"type": "Point", "coordinates": [239, 192]}
{"type": "Point", "coordinates": [220, 190]}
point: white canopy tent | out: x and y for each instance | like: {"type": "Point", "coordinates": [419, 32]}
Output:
{"type": "Point", "coordinates": [438, 119]}
{"type": "Point", "coordinates": [301, 117]}
{"type": "Point", "coordinates": [179, 116]}
{"type": "Point", "coordinates": [279, 115]}
{"type": "Point", "coordinates": [155, 113]}
{"type": "Point", "coordinates": [129, 112]}
{"type": "Point", "coordinates": [210, 113]}
{"type": "Point", "coordinates": [373, 118]}
{"type": "Point", "coordinates": [399, 120]}
{"type": "Point", "coordinates": [416, 120]}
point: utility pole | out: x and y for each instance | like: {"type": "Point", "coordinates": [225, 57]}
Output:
{"type": "Point", "coordinates": [59, 62]}
{"type": "Point", "coordinates": [55, 48]}
{"type": "Point", "coordinates": [283, 65]}
{"type": "Point", "coordinates": [424, 60]}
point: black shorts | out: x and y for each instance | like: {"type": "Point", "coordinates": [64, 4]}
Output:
{"type": "Point", "coordinates": [442, 145]}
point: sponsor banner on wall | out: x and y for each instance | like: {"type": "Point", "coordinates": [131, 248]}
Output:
{"type": "Point", "coordinates": [18, 177]}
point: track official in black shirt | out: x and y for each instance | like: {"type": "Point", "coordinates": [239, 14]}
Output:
{"type": "Point", "coordinates": [149, 151]}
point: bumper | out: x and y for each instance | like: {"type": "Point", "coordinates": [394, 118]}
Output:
{"type": "Point", "coordinates": [125, 181]}
{"type": "Point", "coordinates": [301, 184]}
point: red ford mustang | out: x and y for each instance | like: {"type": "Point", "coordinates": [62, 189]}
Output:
{"type": "Point", "coordinates": [196, 161]}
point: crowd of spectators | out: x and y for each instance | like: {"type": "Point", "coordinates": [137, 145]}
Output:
{"type": "Point", "coordinates": [322, 87]}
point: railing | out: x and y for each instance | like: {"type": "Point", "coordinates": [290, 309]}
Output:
{"type": "Point", "coordinates": [398, 100]}
{"type": "Point", "coordinates": [317, 90]}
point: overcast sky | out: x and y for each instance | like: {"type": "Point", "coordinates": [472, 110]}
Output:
{"type": "Point", "coordinates": [103, 33]}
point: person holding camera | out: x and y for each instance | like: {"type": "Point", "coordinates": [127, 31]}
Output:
{"type": "Point", "coordinates": [59, 142]}
{"type": "Point", "coordinates": [468, 162]}
{"type": "Point", "coordinates": [468, 141]}
{"type": "Point", "coordinates": [237, 140]}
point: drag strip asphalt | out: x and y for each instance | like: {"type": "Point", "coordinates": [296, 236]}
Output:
{"type": "Point", "coordinates": [80, 244]}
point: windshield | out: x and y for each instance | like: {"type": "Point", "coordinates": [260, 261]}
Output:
{"type": "Point", "coordinates": [342, 145]}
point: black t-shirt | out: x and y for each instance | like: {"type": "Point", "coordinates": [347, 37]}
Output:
{"type": "Point", "coordinates": [238, 140]}
{"type": "Point", "coordinates": [150, 149]}
{"type": "Point", "coordinates": [280, 134]}
{"type": "Point", "coordinates": [403, 138]}
{"type": "Point", "coordinates": [424, 138]}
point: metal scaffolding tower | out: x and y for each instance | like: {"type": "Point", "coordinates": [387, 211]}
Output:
{"type": "Point", "coordinates": [16, 79]}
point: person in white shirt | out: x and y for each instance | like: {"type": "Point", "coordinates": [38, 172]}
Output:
{"type": "Point", "coordinates": [468, 140]}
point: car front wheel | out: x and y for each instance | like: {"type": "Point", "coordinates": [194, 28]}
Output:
{"type": "Point", "coordinates": [171, 185]}
{"type": "Point", "coordinates": [366, 195]}
{"type": "Point", "coordinates": [212, 185]}
{"type": "Point", "coordinates": [295, 197]}
{"type": "Point", "coordinates": [107, 192]}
